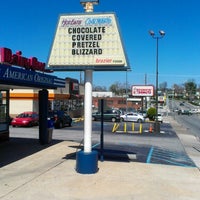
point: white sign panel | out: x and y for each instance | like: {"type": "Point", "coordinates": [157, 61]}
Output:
{"type": "Point", "coordinates": [87, 40]}
{"type": "Point", "coordinates": [142, 90]}
{"type": "Point", "coordinates": [161, 99]}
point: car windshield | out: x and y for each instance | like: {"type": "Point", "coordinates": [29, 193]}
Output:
{"type": "Point", "coordinates": [24, 115]}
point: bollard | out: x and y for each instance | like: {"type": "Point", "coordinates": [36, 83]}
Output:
{"type": "Point", "coordinates": [125, 128]}
{"type": "Point", "coordinates": [140, 129]}
{"type": "Point", "coordinates": [114, 127]}
{"type": "Point", "coordinates": [133, 126]}
{"type": "Point", "coordinates": [117, 126]}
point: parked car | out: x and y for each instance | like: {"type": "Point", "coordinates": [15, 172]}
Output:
{"type": "Point", "coordinates": [160, 118]}
{"type": "Point", "coordinates": [60, 118]}
{"type": "Point", "coordinates": [26, 119]}
{"type": "Point", "coordinates": [10, 119]}
{"type": "Point", "coordinates": [144, 113]}
{"type": "Point", "coordinates": [133, 117]}
{"type": "Point", "coordinates": [108, 115]}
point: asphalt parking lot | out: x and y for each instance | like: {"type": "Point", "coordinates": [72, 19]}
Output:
{"type": "Point", "coordinates": [163, 148]}
{"type": "Point", "coordinates": [49, 171]}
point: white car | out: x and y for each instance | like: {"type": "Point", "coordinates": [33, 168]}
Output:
{"type": "Point", "coordinates": [160, 118]}
{"type": "Point", "coordinates": [132, 117]}
{"type": "Point", "coordinates": [194, 111]}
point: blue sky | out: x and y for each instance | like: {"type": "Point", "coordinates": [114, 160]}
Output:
{"type": "Point", "coordinates": [29, 26]}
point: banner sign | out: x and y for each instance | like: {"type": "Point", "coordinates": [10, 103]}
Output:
{"type": "Point", "coordinates": [87, 41]}
{"type": "Point", "coordinates": [18, 76]}
{"type": "Point", "coordinates": [142, 90]}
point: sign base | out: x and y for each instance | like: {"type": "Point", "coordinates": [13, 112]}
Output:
{"type": "Point", "coordinates": [87, 163]}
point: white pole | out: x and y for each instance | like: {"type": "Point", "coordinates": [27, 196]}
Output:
{"type": "Point", "coordinates": [88, 112]}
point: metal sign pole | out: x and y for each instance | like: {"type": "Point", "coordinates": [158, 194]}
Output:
{"type": "Point", "coordinates": [87, 160]}
{"type": "Point", "coordinates": [102, 133]}
{"type": "Point", "coordinates": [88, 111]}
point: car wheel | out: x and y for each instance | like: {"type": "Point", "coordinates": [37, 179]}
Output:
{"type": "Point", "coordinates": [30, 124]}
{"type": "Point", "coordinates": [139, 121]}
{"type": "Point", "coordinates": [113, 119]}
{"type": "Point", "coordinates": [70, 124]}
{"type": "Point", "coordinates": [60, 125]}
{"type": "Point", "coordinates": [122, 119]}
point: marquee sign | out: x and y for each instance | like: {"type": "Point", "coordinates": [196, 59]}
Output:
{"type": "Point", "coordinates": [87, 41]}
{"type": "Point", "coordinates": [142, 90]}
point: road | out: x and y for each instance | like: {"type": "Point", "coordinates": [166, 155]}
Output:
{"type": "Point", "coordinates": [191, 122]}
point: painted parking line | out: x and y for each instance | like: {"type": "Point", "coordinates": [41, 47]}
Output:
{"type": "Point", "coordinates": [150, 155]}
{"type": "Point", "coordinates": [164, 156]}
{"type": "Point", "coordinates": [96, 145]}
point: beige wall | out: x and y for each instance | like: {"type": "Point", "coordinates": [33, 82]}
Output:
{"type": "Point", "coordinates": [19, 106]}
{"type": "Point", "coordinates": [23, 100]}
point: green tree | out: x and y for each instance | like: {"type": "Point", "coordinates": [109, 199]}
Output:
{"type": "Point", "coordinates": [163, 86]}
{"type": "Point", "coordinates": [151, 113]}
{"type": "Point", "coordinates": [120, 89]}
{"type": "Point", "coordinates": [115, 88]}
{"type": "Point", "coordinates": [99, 88]}
{"type": "Point", "coordinates": [190, 88]}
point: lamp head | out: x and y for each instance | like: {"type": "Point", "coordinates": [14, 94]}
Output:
{"type": "Point", "coordinates": [90, 1]}
{"type": "Point", "coordinates": [162, 33]}
{"type": "Point", "coordinates": [151, 33]}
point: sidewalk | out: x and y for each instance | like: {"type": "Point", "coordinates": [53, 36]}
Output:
{"type": "Point", "coordinates": [49, 175]}
{"type": "Point", "coordinates": [190, 142]}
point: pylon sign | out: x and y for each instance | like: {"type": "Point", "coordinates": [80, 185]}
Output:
{"type": "Point", "coordinates": [87, 41]}
{"type": "Point", "coordinates": [143, 90]}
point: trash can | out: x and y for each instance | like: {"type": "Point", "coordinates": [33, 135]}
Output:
{"type": "Point", "coordinates": [49, 129]}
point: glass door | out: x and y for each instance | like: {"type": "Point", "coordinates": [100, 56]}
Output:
{"type": "Point", "coordinates": [4, 110]}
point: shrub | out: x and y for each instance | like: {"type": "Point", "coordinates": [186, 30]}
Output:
{"type": "Point", "coordinates": [151, 113]}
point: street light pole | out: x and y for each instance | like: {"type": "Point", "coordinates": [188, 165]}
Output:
{"type": "Point", "coordinates": [161, 35]}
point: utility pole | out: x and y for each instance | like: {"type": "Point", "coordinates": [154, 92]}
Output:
{"type": "Point", "coordinates": [145, 82]}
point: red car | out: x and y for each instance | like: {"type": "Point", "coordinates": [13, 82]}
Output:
{"type": "Point", "coordinates": [26, 119]}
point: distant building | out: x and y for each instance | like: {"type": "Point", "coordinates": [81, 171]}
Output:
{"type": "Point", "coordinates": [112, 101]}
{"type": "Point", "coordinates": [67, 98]}
{"type": "Point", "coordinates": [102, 94]}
